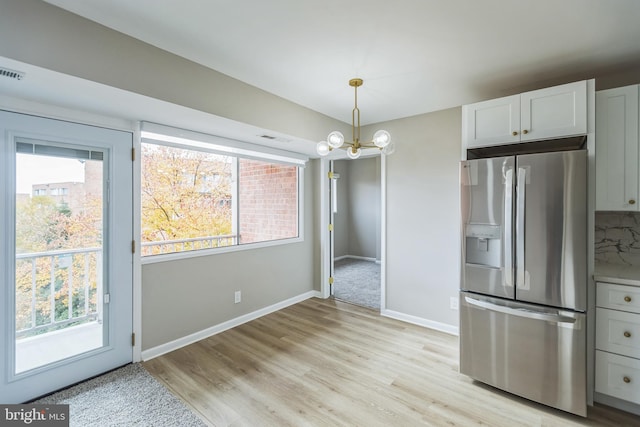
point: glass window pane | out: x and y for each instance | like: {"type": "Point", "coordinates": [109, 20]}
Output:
{"type": "Point", "coordinates": [58, 270]}
{"type": "Point", "coordinates": [267, 201]}
{"type": "Point", "coordinates": [186, 200]}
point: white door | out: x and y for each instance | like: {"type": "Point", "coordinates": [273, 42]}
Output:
{"type": "Point", "coordinates": [333, 208]}
{"type": "Point", "coordinates": [65, 254]}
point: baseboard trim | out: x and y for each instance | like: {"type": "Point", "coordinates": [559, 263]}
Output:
{"type": "Point", "coordinates": [363, 258]}
{"type": "Point", "coordinates": [205, 333]}
{"type": "Point", "coordinates": [442, 327]}
{"type": "Point", "coordinates": [623, 405]}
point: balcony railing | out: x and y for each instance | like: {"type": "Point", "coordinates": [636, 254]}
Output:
{"type": "Point", "coordinates": [191, 244]}
{"type": "Point", "coordinates": [55, 289]}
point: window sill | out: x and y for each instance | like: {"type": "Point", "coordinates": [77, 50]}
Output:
{"type": "Point", "coordinates": [152, 259]}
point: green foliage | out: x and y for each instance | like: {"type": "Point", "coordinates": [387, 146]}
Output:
{"type": "Point", "coordinates": [185, 194]}
{"type": "Point", "coordinates": [42, 225]}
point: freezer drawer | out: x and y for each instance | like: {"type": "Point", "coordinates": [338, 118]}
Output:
{"type": "Point", "coordinates": [536, 353]}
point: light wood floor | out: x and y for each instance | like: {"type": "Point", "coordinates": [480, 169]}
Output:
{"type": "Point", "coordinates": [328, 363]}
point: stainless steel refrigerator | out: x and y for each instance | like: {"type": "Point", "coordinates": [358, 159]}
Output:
{"type": "Point", "coordinates": [523, 297]}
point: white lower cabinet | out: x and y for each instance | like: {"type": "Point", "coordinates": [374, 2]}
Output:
{"type": "Point", "coordinates": [618, 341]}
{"type": "Point", "coordinates": [618, 376]}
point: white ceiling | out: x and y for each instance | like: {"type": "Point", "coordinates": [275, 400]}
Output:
{"type": "Point", "coordinates": [415, 56]}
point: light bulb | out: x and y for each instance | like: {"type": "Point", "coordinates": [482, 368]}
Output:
{"type": "Point", "coordinates": [381, 138]}
{"type": "Point", "coordinates": [335, 139]}
{"type": "Point", "coordinates": [389, 149]}
{"type": "Point", "coordinates": [323, 148]}
{"type": "Point", "coordinates": [354, 154]}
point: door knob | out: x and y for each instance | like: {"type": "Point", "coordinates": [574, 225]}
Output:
{"type": "Point", "coordinates": [632, 202]}
{"type": "Point", "coordinates": [627, 334]}
{"type": "Point", "coordinates": [627, 299]}
{"type": "Point", "coordinates": [525, 131]}
{"type": "Point", "coordinates": [626, 380]}
{"type": "Point", "coordinates": [514, 133]}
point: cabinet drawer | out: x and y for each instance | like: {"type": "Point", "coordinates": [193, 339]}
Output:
{"type": "Point", "coordinates": [618, 332]}
{"type": "Point", "coordinates": [618, 376]}
{"type": "Point", "coordinates": [618, 297]}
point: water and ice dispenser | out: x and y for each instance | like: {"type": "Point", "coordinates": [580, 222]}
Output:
{"type": "Point", "coordinates": [483, 245]}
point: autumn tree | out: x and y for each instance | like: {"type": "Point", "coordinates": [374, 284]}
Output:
{"type": "Point", "coordinates": [185, 193]}
{"type": "Point", "coordinates": [42, 227]}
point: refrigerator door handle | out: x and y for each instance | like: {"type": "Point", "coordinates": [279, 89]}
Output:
{"type": "Point", "coordinates": [521, 195]}
{"type": "Point", "coordinates": [520, 312]}
{"type": "Point", "coordinates": [508, 228]}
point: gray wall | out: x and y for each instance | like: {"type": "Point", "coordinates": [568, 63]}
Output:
{"type": "Point", "coordinates": [357, 222]}
{"type": "Point", "coordinates": [422, 202]}
{"type": "Point", "coordinates": [186, 296]}
{"type": "Point", "coordinates": [422, 212]}
{"type": "Point", "coordinates": [43, 35]}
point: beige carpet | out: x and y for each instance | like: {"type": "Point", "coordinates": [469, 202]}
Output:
{"type": "Point", "coordinates": [128, 396]}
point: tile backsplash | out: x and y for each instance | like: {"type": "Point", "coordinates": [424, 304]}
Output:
{"type": "Point", "coordinates": [617, 238]}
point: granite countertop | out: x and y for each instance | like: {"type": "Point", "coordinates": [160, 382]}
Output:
{"type": "Point", "coordinates": [623, 274]}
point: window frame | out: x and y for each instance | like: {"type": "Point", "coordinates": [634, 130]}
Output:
{"type": "Point", "coordinates": [180, 139]}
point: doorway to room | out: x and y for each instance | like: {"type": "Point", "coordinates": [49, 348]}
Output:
{"type": "Point", "coordinates": [66, 260]}
{"type": "Point", "coordinates": [355, 205]}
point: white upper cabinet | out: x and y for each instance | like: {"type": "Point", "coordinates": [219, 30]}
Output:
{"type": "Point", "coordinates": [617, 149]}
{"type": "Point", "coordinates": [492, 122]}
{"type": "Point", "coordinates": [553, 112]}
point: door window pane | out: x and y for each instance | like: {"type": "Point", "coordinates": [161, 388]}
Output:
{"type": "Point", "coordinates": [58, 258]}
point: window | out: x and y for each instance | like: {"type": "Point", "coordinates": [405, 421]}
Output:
{"type": "Point", "coordinates": [204, 192]}
{"type": "Point", "coordinates": [59, 191]}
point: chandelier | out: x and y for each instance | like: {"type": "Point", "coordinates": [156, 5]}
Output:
{"type": "Point", "coordinates": [381, 139]}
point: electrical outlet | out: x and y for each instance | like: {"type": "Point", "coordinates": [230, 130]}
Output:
{"type": "Point", "coordinates": [237, 297]}
{"type": "Point", "coordinates": [453, 303]}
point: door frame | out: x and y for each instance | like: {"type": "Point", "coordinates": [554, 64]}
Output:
{"type": "Point", "coordinates": [54, 112]}
{"type": "Point", "coordinates": [47, 111]}
{"type": "Point", "coordinates": [326, 238]}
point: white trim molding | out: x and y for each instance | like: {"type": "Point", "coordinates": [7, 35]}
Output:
{"type": "Point", "coordinates": [361, 258]}
{"type": "Point", "coordinates": [442, 327]}
{"type": "Point", "coordinates": [213, 330]}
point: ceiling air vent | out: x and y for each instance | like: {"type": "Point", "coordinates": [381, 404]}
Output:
{"type": "Point", "coordinates": [12, 74]}
{"type": "Point", "coordinates": [275, 138]}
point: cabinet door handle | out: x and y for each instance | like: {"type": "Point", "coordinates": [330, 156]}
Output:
{"type": "Point", "coordinates": [627, 334]}
{"type": "Point", "coordinates": [525, 131]}
{"type": "Point", "coordinates": [626, 380]}
{"type": "Point", "coordinates": [632, 202]}
{"type": "Point", "coordinates": [627, 299]}
{"type": "Point", "coordinates": [514, 133]}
